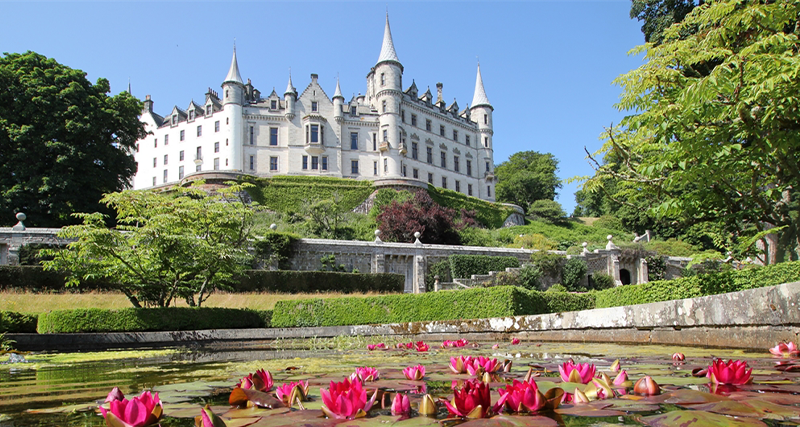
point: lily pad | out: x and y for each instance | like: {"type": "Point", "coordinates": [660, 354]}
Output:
{"type": "Point", "coordinates": [511, 421]}
{"type": "Point", "coordinates": [698, 419]}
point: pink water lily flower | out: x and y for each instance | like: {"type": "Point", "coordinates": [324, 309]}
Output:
{"type": "Point", "coordinates": [646, 386]}
{"type": "Point", "coordinates": [734, 372]}
{"type": "Point", "coordinates": [379, 346]}
{"type": "Point", "coordinates": [521, 396]}
{"type": "Point", "coordinates": [401, 405]}
{"type": "Point", "coordinates": [621, 380]}
{"type": "Point", "coordinates": [515, 341]}
{"type": "Point", "coordinates": [284, 392]}
{"type": "Point", "coordinates": [414, 373]}
{"type": "Point", "coordinates": [261, 380]}
{"type": "Point", "coordinates": [472, 400]}
{"type": "Point", "coordinates": [458, 343]}
{"type": "Point", "coordinates": [481, 364]}
{"type": "Point", "coordinates": [421, 346]}
{"type": "Point", "coordinates": [346, 400]}
{"type": "Point", "coordinates": [209, 419]}
{"type": "Point", "coordinates": [785, 349]}
{"type": "Point", "coordinates": [458, 365]}
{"type": "Point", "coordinates": [143, 410]}
{"type": "Point", "coordinates": [576, 372]}
{"type": "Point", "coordinates": [114, 394]}
{"type": "Point", "coordinates": [365, 374]}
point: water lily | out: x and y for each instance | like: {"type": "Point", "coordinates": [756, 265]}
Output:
{"type": "Point", "coordinates": [515, 341]}
{"type": "Point", "coordinates": [470, 401]}
{"type": "Point", "coordinates": [734, 372]}
{"type": "Point", "coordinates": [143, 410]}
{"type": "Point", "coordinates": [458, 365]}
{"type": "Point", "coordinates": [421, 346]}
{"type": "Point", "coordinates": [621, 380]}
{"type": "Point", "coordinates": [379, 346]}
{"type": "Point", "coordinates": [414, 373]}
{"type": "Point", "coordinates": [678, 357]}
{"type": "Point", "coordinates": [346, 400]}
{"type": "Point", "coordinates": [576, 372]}
{"type": "Point", "coordinates": [114, 394]}
{"type": "Point", "coordinates": [261, 380]}
{"type": "Point", "coordinates": [520, 396]}
{"type": "Point", "coordinates": [579, 397]}
{"type": "Point", "coordinates": [365, 374]}
{"type": "Point", "coordinates": [458, 343]}
{"type": "Point", "coordinates": [785, 349]}
{"type": "Point", "coordinates": [408, 345]}
{"type": "Point", "coordinates": [646, 386]}
{"type": "Point", "coordinates": [288, 393]}
{"type": "Point", "coordinates": [401, 405]}
{"type": "Point", "coordinates": [615, 367]}
{"type": "Point", "coordinates": [481, 365]}
{"type": "Point", "coordinates": [427, 406]}
{"type": "Point", "coordinates": [208, 418]}
{"type": "Point", "coordinates": [495, 347]}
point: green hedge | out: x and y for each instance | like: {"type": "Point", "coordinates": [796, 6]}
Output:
{"type": "Point", "coordinates": [491, 215]}
{"type": "Point", "coordinates": [11, 321]}
{"type": "Point", "coordinates": [476, 303]}
{"type": "Point", "coordinates": [36, 279]}
{"type": "Point", "coordinates": [289, 193]}
{"type": "Point", "coordinates": [151, 319]}
{"type": "Point", "coordinates": [464, 266]}
{"type": "Point", "coordinates": [293, 282]}
{"type": "Point", "coordinates": [698, 286]}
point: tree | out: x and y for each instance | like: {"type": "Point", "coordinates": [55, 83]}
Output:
{"type": "Point", "coordinates": [527, 176]}
{"type": "Point", "coordinates": [63, 141]}
{"type": "Point", "coordinates": [658, 15]}
{"type": "Point", "coordinates": [712, 138]}
{"type": "Point", "coordinates": [437, 224]}
{"type": "Point", "coordinates": [547, 210]}
{"type": "Point", "coordinates": [184, 243]}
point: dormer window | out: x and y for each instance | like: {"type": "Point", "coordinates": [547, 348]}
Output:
{"type": "Point", "coordinates": [208, 110]}
{"type": "Point", "coordinates": [174, 119]}
{"type": "Point", "coordinates": [273, 104]}
{"type": "Point", "coordinates": [191, 115]}
{"type": "Point", "coordinates": [353, 110]}
{"type": "Point", "coordinates": [314, 106]}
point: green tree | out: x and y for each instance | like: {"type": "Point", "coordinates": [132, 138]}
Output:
{"type": "Point", "coordinates": [546, 210]}
{"type": "Point", "coordinates": [63, 141]}
{"type": "Point", "coordinates": [526, 177]}
{"type": "Point", "coordinates": [658, 15]}
{"type": "Point", "coordinates": [184, 243]}
{"type": "Point", "coordinates": [719, 146]}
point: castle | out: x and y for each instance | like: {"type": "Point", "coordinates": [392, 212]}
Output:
{"type": "Point", "coordinates": [391, 136]}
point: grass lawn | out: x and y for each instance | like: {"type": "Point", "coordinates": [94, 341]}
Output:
{"type": "Point", "coordinates": [26, 302]}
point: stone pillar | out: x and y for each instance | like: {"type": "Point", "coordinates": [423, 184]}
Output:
{"type": "Point", "coordinates": [419, 273]}
{"type": "Point", "coordinates": [614, 258]}
{"type": "Point", "coordinates": [13, 252]}
{"type": "Point", "coordinates": [643, 273]}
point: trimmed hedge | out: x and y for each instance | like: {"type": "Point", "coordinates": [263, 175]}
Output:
{"type": "Point", "coordinates": [491, 215]}
{"type": "Point", "coordinates": [464, 266]}
{"type": "Point", "coordinates": [293, 282]}
{"type": "Point", "coordinates": [11, 321]}
{"type": "Point", "coordinates": [473, 303]}
{"type": "Point", "coordinates": [698, 286]}
{"type": "Point", "coordinates": [289, 193]}
{"type": "Point", "coordinates": [151, 319]}
{"type": "Point", "coordinates": [30, 278]}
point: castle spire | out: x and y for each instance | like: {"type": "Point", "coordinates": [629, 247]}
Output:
{"type": "Point", "coordinates": [387, 49]}
{"type": "Point", "coordinates": [233, 74]}
{"type": "Point", "coordinates": [290, 87]}
{"type": "Point", "coordinates": [480, 93]}
{"type": "Point", "coordinates": [338, 92]}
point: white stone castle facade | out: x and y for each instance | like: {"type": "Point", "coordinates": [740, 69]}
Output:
{"type": "Point", "coordinates": [390, 135]}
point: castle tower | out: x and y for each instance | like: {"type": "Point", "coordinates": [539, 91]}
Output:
{"type": "Point", "coordinates": [338, 103]}
{"type": "Point", "coordinates": [289, 97]}
{"type": "Point", "coordinates": [481, 113]}
{"type": "Point", "coordinates": [385, 81]}
{"type": "Point", "coordinates": [232, 101]}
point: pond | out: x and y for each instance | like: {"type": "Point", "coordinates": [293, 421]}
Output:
{"type": "Point", "coordinates": [65, 390]}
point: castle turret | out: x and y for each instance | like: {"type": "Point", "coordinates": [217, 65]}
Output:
{"type": "Point", "coordinates": [386, 81]}
{"type": "Point", "coordinates": [481, 113]}
{"type": "Point", "coordinates": [289, 97]}
{"type": "Point", "coordinates": [338, 103]}
{"type": "Point", "coordinates": [233, 97]}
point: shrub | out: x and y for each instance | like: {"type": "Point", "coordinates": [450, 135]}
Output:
{"type": "Point", "coordinates": [276, 247]}
{"type": "Point", "coordinates": [399, 221]}
{"type": "Point", "coordinates": [292, 282]}
{"type": "Point", "coordinates": [558, 287]}
{"type": "Point", "coordinates": [566, 231]}
{"type": "Point", "coordinates": [601, 281]}
{"type": "Point", "coordinates": [671, 247]}
{"type": "Point", "coordinates": [656, 268]}
{"type": "Point", "coordinates": [530, 277]}
{"type": "Point", "coordinates": [385, 197]}
{"type": "Point", "coordinates": [11, 321]}
{"type": "Point", "coordinates": [473, 303]}
{"type": "Point", "coordinates": [36, 279]}
{"type": "Point", "coordinates": [608, 221]}
{"type": "Point", "coordinates": [488, 214]}
{"type": "Point", "coordinates": [697, 286]}
{"type": "Point", "coordinates": [546, 210]}
{"type": "Point", "coordinates": [289, 193]}
{"type": "Point", "coordinates": [464, 266]}
{"type": "Point", "coordinates": [150, 319]}
{"type": "Point", "coordinates": [474, 236]}
{"type": "Point", "coordinates": [573, 274]}
{"type": "Point", "coordinates": [441, 269]}
{"type": "Point", "coordinates": [551, 264]}
{"type": "Point", "coordinates": [534, 241]}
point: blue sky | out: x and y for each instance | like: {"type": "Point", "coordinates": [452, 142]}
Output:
{"type": "Point", "coordinates": [547, 66]}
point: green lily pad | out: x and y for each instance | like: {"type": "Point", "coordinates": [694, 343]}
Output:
{"type": "Point", "coordinates": [64, 409]}
{"type": "Point", "coordinates": [698, 419]}
{"type": "Point", "coordinates": [511, 421]}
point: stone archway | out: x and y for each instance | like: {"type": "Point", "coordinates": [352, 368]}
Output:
{"type": "Point", "coordinates": [625, 276]}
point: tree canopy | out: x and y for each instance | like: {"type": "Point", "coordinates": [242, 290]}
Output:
{"type": "Point", "coordinates": [658, 15]}
{"type": "Point", "coordinates": [63, 141]}
{"type": "Point", "coordinates": [713, 132]}
{"type": "Point", "coordinates": [183, 243]}
{"type": "Point", "coordinates": [526, 177]}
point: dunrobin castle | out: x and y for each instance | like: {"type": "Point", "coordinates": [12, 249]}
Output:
{"type": "Point", "coordinates": [390, 135]}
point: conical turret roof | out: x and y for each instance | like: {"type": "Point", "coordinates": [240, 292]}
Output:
{"type": "Point", "coordinates": [338, 92]}
{"type": "Point", "coordinates": [289, 86]}
{"type": "Point", "coordinates": [387, 49]}
{"type": "Point", "coordinates": [233, 74]}
{"type": "Point", "coordinates": [480, 97]}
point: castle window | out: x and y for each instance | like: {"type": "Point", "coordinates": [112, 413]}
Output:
{"type": "Point", "coordinates": [441, 130]}
{"type": "Point", "coordinates": [444, 182]}
{"type": "Point", "coordinates": [183, 135]}
{"type": "Point", "coordinates": [180, 156]}
{"type": "Point", "coordinates": [487, 166]}
{"type": "Point", "coordinates": [385, 166]}
{"type": "Point", "coordinates": [314, 106]}
{"type": "Point", "coordinates": [208, 110]}
{"type": "Point", "coordinates": [324, 163]}
{"type": "Point", "coordinates": [180, 172]}
{"type": "Point", "coordinates": [216, 147]}
{"type": "Point", "coordinates": [383, 106]}
{"type": "Point", "coordinates": [227, 120]}
{"type": "Point", "coordinates": [166, 139]}
{"type": "Point", "coordinates": [165, 175]}
{"type": "Point", "coordinates": [383, 79]}
{"type": "Point", "coordinates": [273, 136]}
{"type": "Point", "coordinates": [175, 120]}
{"type": "Point", "coordinates": [252, 135]}
{"type": "Point", "coordinates": [354, 140]}
{"type": "Point", "coordinates": [485, 141]}
{"type": "Point", "coordinates": [415, 173]}
{"type": "Point", "coordinates": [458, 186]}
{"type": "Point", "coordinates": [429, 152]}
{"type": "Point", "coordinates": [486, 119]}
{"type": "Point", "coordinates": [191, 115]}
{"type": "Point", "coordinates": [198, 168]}
{"type": "Point", "coordinates": [305, 162]}
{"type": "Point", "coordinates": [353, 110]}
{"type": "Point", "coordinates": [413, 120]}
{"type": "Point", "coordinates": [469, 189]}
{"type": "Point", "coordinates": [200, 131]}
{"type": "Point", "coordinates": [374, 142]}
{"type": "Point", "coordinates": [314, 162]}
{"type": "Point", "coordinates": [456, 165]}
{"type": "Point", "coordinates": [385, 135]}
{"type": "Point", "coordinates": [199, 154]}
{"type": "Point", "coordinates": [155, 143]}
{"type": "Point", "coordinates": [469, 167]}
{"type": "Point", "coordinates": [227, 95]}
{"type": "Point", "coordinates": [414, 150]}
{"type": "Point", "coordinates": [430, 178]}
{"type": "Point", "coordinates": [443, 159]}
{"type": "Point", "coordinates": [216, 163]}
{"type": "Point", "coordinates": [216, 126]}
{"type": "Point", "coordinates": [154, 181]}
{"type": "Point", "coordinates": [427, 125]}
{"type": "Point", "coordinates": [455, 135]}
{"type": "Point", "coordinates": [404, 171]}
{"type": "Point", "coordinates": [489, 191]}
{"type": "Point", "coordinates": [354, 167]}
{"type": "Point", "coordinates": [252, 162]}
{"type": "Point", "coordinates": [273, 104]}
{"type": "Point", "coordinates": [273, 164]}
{"type": "Point", "coordinates": [226, 162]}
{"type": "Point", "coordinates": [466, 139]}
{"type": "Point", "coordinates": [312, 134]}
{"type": "Point", "coordinates": [166, 159]}
{"type": "Point", "coordinates": [375, 168]}
{"type": "Point", "coordinates": [403, 116]}
{"type": "Point", "coordinates": [155, 162]}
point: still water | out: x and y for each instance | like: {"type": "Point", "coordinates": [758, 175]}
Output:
{"type": "Point", "coordinates": [65, 390]}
